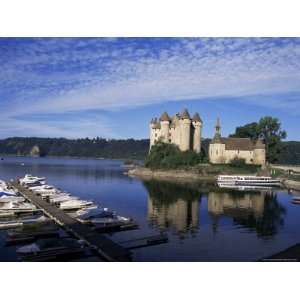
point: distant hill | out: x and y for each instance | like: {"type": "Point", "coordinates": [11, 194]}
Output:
{"type": "Point", "coordinates": [99, 147]}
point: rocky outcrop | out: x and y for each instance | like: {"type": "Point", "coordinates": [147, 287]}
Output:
{"type": "Point", "coordinates": [35, 151]}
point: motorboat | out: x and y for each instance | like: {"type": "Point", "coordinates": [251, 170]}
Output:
{"type": "Point", "coordinates": [22, 222]}
{"type": "Point", "coordinates": [29, 179]}
{"type": "Point", "coordinates": [61, 198]}
{"type": "Point", "coordinates": [7, 199]}
{"type": "Point", "coordinates": [101, 216]}
{"type": "Point", "coordinates": [42, 186]}
{"type": "Point", "coordinates": [74, 204]}
{"type": "Point", "coordinates": [17, 207]}
{"type": "Point", "coordinates": [248, 180]}
{"type": "Point", "coordinates": [88, 214]}
{"type": "Point", "coordinates": [51, 244]}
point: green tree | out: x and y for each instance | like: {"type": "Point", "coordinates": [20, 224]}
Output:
{"type": "Point", "coordinates": [272, 134]}
{"type": "Point", "coordinates": [268, 129]}
{"type": "Point", "coordinates": [250, 130]}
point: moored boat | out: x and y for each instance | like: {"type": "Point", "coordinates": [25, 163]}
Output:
{"type": "Point", "coordinates": [248, 180]}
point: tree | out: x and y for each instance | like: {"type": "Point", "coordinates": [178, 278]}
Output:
{"type": "Point", "coordinates": [250, 130]}
{"type": "Point", "coordinates": [269, 130]}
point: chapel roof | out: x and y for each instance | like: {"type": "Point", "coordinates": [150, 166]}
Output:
{"type": "Point", "coordinates": [244, 144]}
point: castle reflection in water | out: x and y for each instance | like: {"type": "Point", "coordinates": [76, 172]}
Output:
{"type": "Point", "coordinates": [176, 208]}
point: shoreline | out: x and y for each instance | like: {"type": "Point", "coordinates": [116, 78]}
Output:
{"type": "Point", "coordinates": [67, 157]}
{"type": "Point", "coordinates": [167, 175]}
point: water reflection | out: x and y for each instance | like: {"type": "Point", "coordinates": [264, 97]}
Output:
{"type": "Point", "coordinates": [176, 208]}
{"type": "Point", "coordinates": [173, 206]}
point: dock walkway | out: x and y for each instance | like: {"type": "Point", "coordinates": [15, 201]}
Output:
{"type": "Point", "coordinates": [105, 247]}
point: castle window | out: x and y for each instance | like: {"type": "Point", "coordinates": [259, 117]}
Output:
{"type": "Point", "coordinates": [155, 134]}
{"type": "Point", "coordinates": [216, 152]}
{"type": "Point", "coordinates": [169, 140]}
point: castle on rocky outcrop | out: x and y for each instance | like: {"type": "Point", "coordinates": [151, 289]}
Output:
{"type": "Point", "coordinates": [224, 150]}
{"type": "Point", "coordinates": [181, 130]}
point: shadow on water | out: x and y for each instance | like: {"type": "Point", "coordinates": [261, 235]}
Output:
{"type": "Point", "coordinates": [176, 207]}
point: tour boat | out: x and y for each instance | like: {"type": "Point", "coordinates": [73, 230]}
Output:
{"type": "Point", "coordinates": [243, 187]}
{"type": "Point", "coordinates": [247, 180]}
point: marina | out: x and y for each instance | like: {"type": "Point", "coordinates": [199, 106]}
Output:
{"type": "Point", "coordinates": [84, 222]}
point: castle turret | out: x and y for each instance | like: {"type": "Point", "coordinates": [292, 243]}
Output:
{"type": "Point", "coordinates": [185, 126]}
{"type": "Point", "coordinates": [165, 126]}
{"type": "Point", "coordinates": [216, 147]}
{"type": "Point", "coordinates": [197, 123]}
{"type": "Point", "coordinates": [259, 153]}
{"type": "Point", "coordinates": [152, 132]}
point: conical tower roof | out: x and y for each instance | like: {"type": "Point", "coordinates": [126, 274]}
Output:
{"type": "Point", "coordinates": [196, 118]}
{"type": "Point", "coordinates": [185, 114]}
{"type": "Point", "coordinates": [164, 117]}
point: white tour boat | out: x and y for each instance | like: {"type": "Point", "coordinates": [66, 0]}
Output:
{"type": "Point", "coordinates": [247, 180]}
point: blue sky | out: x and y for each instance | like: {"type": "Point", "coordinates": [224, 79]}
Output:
{"type": "Point", "coordinates": [112, 87]}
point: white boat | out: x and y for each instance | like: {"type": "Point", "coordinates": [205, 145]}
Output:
{"type": "Point", "coordinates": [28, 179]}
{"type": "Point", "coordinates": [61, 199]}
{"type": "Point", "coordinates": [247, 180]}
{"type": "Point", "coordinates": [243, 187]}
{"type": "Point", "coordinates": [74, 204]}
{"type": "Point", "coordinates": [22, 222]}
{"type": "Point", "coordinates": [6, 199]}
{"type": "Point", "coordinates": [39, 187]}
{"type": "Point", "coordinates": [17, 207]}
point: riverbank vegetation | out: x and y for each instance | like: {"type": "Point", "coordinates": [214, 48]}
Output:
{"type": "Point", "coordinates": [169, 157]}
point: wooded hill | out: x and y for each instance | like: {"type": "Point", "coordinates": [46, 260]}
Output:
{"type": "Point", "coordinates": [99, 147]}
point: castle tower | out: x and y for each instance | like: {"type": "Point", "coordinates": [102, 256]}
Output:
{"type": "Point", "coordinates": [260, 153]}
{"type": "Point", "coordinates": [218, 129]}
{"type": "Point", "coordinates": [152, 132]}
{"type": "Point", "coordinates": [185, 131]}
{"type": "Point", "coordinates": [197, 123]}
{"type": "Point", "coordinates": [216, 147]}
{"type": "Point", "coordinates": [165, 126]}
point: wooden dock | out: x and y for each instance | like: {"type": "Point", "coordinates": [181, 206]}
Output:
{"type": "Point", "coordinates": [106, 248]}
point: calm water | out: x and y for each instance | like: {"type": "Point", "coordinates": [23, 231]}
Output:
{"type": "Point", "coordinates": [203, 222]}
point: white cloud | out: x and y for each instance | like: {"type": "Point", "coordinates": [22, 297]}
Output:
{"type": "Point", "coordinates": [112, 74]}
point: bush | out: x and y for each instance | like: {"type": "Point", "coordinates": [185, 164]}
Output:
{"type": "Point", "coordinates": [168, 156]}
{"type": "Point", "coordinates": [238, 162]}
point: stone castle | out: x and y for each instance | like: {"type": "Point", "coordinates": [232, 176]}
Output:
{"type": "Point", "coordinates": [181, 130]}
{"type": "Point", "coordinates": [186, 133]}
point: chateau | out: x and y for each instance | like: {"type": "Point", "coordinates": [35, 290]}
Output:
{"type": "Point", "coordinates": [185, 132]}
{"type": "Point", "coordinates": [181, 130]}
{"type": "Point", "coordinates": [224, 150]}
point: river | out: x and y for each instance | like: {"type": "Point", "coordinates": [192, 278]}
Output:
{"type": "Point", "coordinates": [203, 222]}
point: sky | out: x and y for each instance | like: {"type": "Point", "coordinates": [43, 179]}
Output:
{"type": "Point", "coordinates": [112, 87]}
